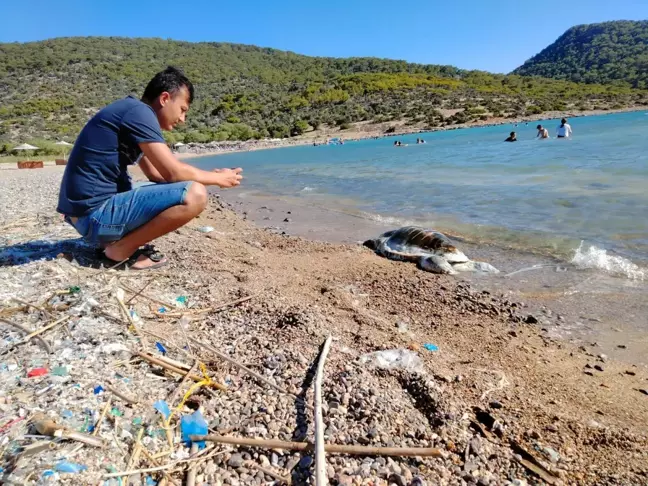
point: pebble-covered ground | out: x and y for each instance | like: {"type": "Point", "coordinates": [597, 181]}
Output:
{"type": "Point", "coordinates": [500, 401]}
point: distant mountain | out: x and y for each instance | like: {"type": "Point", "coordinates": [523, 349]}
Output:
{"type": "Point", "coordinates": [50, 89]}
{"type": "Point", "coordinates": [606, 53]}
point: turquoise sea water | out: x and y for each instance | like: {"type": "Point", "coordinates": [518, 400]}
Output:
{"type": "Point", "coordinates": [583, 198]}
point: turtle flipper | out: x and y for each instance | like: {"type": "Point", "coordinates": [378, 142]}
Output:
{"type": "Point", "coordinates": [436, 264]}
{"type": "Point", "coordinates": [471, 266]}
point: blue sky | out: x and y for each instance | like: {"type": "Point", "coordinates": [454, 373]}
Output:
{"type": "Point", "coordinates": [496, 35]}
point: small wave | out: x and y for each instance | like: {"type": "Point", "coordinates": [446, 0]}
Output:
{"type": "Point", "coordinates": [594, 257]}
{"type": "Point", "coordinates": [307, 189]}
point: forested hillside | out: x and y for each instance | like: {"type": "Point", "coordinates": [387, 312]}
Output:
{"type": "Point", "coordinates": [50, 88]}
{"type": "Point", "coordinates": [610, 52]}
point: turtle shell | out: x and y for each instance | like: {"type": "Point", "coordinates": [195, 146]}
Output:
{"type": "Point", "coordinates": [412, 242]}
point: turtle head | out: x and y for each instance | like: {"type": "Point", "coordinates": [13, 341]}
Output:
{"type": "Point", "coordinates": [373, 244]}
{"type": "Point", "coordinates": [452, 254]}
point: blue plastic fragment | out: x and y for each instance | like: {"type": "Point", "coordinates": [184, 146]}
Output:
{"type": "Point", "coordinates": [67, 414]}
{"type": "Point", "coordinates": [70, 467]}
{"type": "Point", "coordinates": [161, 348]}
{"type": "Point", "coordinates": [431, 347]}
{"type": "Point", "coordinates": [162, 407]}
{"type": "Point", "coordinates": [149, 481]}
{"type": "Point", "coordinates": [47, 473]}
{"type": "Point", "coordinates": [162, 310]}
{"type": "Point", "coordinates": [182, 299]}
{"type": "Point", "coordinates": [193, 424]}
{"type": "Point", "coordinates": [98, 389]}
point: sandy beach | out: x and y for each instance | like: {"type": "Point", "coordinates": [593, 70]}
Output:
{"type": "Point", "coordinates": [500, 399]}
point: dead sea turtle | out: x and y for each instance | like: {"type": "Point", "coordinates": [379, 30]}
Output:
{"type": "Point", "coordinates": [431, 250]}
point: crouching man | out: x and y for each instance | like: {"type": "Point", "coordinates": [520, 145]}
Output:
{"type": "Point", "coordinates": [97, 196]}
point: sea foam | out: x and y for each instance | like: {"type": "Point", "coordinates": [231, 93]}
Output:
{"type": "Point", "coordinates": [594, 257]}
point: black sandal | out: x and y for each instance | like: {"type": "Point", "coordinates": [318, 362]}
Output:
{"type": "Point", "coordinates": [148, 251]}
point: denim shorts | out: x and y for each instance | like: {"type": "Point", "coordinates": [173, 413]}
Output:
{"type": "Point", "coordinates": [127, 211]}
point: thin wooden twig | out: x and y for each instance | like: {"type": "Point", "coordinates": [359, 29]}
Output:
{"type": "Point", "coordinates": [191, 474]}
{"type": "Point", "coordinates": [321, 478]}
{"type": "Point", "coordinates": [166, 366]}
{"type": "Point", "coordinates": [42, 342]}
{"type": "Point", "coordinates": [196, 312]}
{"type": "Point", "coordinates": [45, 328]}
{"type": "Point", "coordinates": [247, 370]}
{"type": "Point", "coordinates": [333, 448]}
{"type": "Point", "coordinates": [101, 417]}
{"type": "Point", "coordinates": [139, 292]}
{"type": "Point", "coordinates": [34, 306]}
{"type": "Point", "coordinates": [148, 297]}
{"type": "Point", "coordinates": [272, 474]}
{"type": "Point", "coordinates": [119, 394]}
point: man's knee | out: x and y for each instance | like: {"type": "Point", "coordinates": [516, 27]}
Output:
{"type": "Point", "coordinates": [196, 197]}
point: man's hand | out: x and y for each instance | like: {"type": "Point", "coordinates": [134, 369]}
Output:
{"type": "Point", "coordinates": [170, 169]}
{"type": "Point", "coordinates": [230, 177]}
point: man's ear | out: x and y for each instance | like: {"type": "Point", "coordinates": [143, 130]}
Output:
{"type": "Point", "coordinates": [164, 98]}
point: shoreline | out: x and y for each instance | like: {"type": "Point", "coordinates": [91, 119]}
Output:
{"type": "Point", "coordinates": [357, 132]}
{"type": "Point", "coordinates": [494, 378]}
{"type": "Point", "coordinates": [203, 150]}
{"type": "Point", "coordinates": [580, 305]}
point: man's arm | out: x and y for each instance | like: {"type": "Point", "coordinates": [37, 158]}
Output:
{"type": "Point", "coordinates": [150, 171]}
{"type": "Point", "coordinates": [172, 170]}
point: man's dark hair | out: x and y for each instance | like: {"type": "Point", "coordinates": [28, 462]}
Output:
{"type": "Point", "coordinates": [169, 80]}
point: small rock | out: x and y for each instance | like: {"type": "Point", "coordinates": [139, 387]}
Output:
{"type": "Point", "coordinates": [552, 454]}
{"type": "Point", "coordinates": [397, 479]}
{"type": "Point", "coordinates": [495, 404]}
{"type": "Point", "coordinates": [530, 319]}
{"type": "Point", "coordinates": [622, 346]}
{"type": "Point", "coordinates": [643, 390]}
{"type": "Point", "coordinates": [306, 462]}
{"type": "Point", "coordinates": [631, 373]}
{"type": "Point", "coordinates": [552, 428]}
{"type": "Point", "coordinates": [287, 220]}
{"type": "Point", "coordinates": [598, 367]}
{"type": "Point", "coordinates": [236, 461]}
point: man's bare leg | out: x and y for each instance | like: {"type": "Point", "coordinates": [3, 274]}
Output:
{"type": "Point", "coordinates": [165, 222]}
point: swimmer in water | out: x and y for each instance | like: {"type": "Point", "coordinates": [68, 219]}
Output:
{"type": "Point", "coordinates": [512, 138]}
{"type": "Point", "coordinates": [542, 132]}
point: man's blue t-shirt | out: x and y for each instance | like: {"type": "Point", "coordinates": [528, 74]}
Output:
{"type": "Point", "coordinates": [107, 145]}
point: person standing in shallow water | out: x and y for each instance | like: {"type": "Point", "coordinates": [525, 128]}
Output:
{"type": "Point", "coordinates": [542, 132]}
{"type": "Point", "coordinates": [512, 138]}
{"type": "Point", "coordinates": [97, 197]}
{"type": "Point", "coordinates": [564, 130]}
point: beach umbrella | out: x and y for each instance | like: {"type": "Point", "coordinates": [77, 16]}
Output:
{"type": "Point", "coordinates": [25, 146]}
{"type": "Point", "coordinates": [64, 144]}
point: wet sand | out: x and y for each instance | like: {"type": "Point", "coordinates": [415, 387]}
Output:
{"type": "Point", "coordinates": [606, 314]}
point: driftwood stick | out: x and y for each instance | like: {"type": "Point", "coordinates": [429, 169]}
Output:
{"type": "Point", "coordinates": [46, 426]}
{"type": "Point", "coordinates": [321, 479]}
{"type": "Point", "coordinates": [334, 448]}
{"type": "Point", "coordinates": [191, 474]}
{"type": "Point", "coordinates": [247, 370]}
{"type": "Point", "coordinates": [42, 342]}
{"type": "Point", "coordinates": [178, 371]}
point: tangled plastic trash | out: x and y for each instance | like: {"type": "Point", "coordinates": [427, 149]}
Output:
{"type": "Point", "coordinates": [193, 424]}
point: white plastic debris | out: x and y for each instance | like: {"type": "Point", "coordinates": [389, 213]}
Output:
{"type": "Point", "coordinates": [392, 359]}
{"type": "Point", "coordinates": [205, 229]}
{"type": "Point", "coordinates": [111, 348]}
